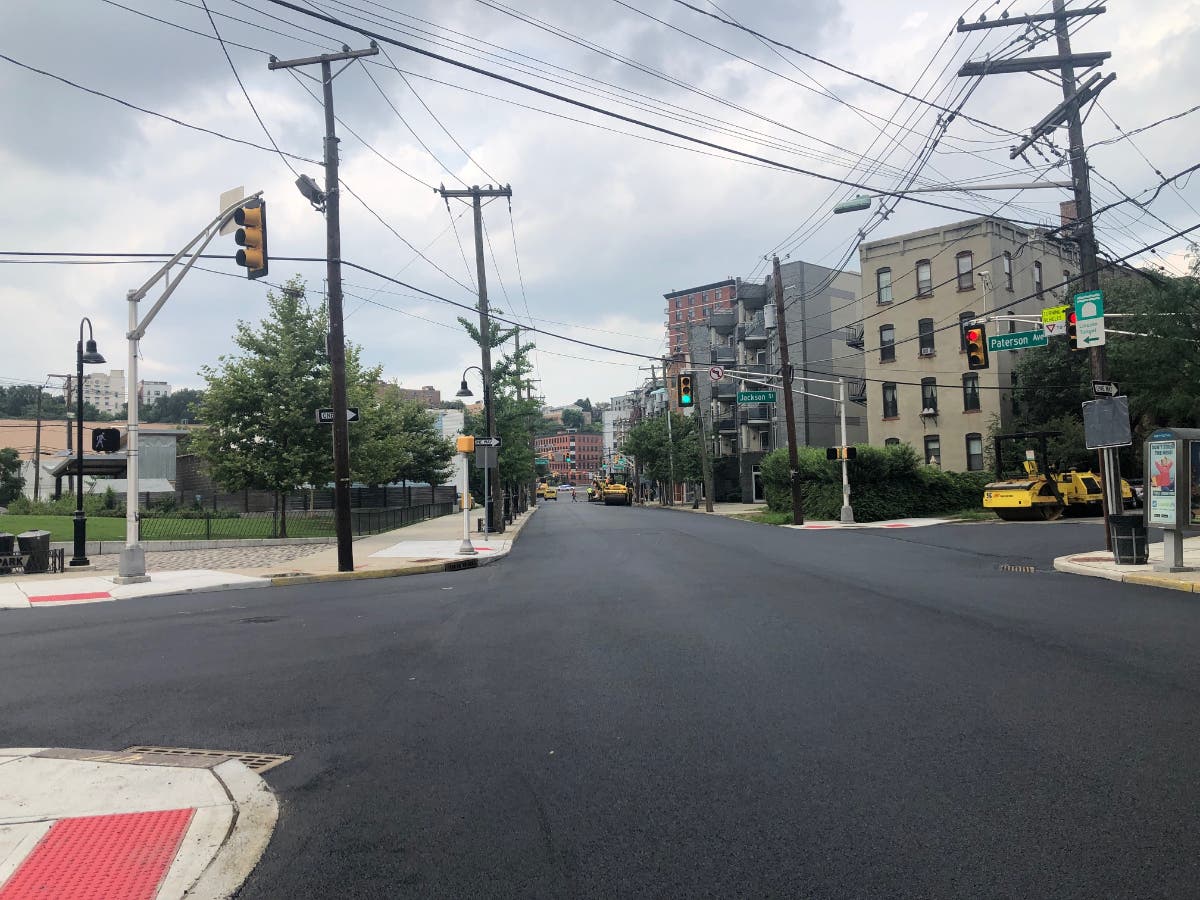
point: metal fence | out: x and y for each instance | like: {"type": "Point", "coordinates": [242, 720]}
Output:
{"type": "Point", "coordinates": [209, 526]}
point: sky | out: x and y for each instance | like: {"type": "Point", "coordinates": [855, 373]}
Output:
{"type": "Point", "coordinates": [605, 216]}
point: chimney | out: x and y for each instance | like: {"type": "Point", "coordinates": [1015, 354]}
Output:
{"type": "Point", "coordinates": [1066, 213]}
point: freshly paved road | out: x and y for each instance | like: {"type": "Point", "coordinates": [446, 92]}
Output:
{"type": "Point", "coordinates": [645, 703]}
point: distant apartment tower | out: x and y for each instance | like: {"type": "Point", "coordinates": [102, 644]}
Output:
{"type": "Point", "coordinates": [692, 307]}
{"type": "Point", "coordinates": [105, 392]}
{"type": "Point", "coordinates": [150, 391]}
{"type": "Point", "coordinates": [428, 396]}
{"type": "Point", "coordinates": [919, 290]}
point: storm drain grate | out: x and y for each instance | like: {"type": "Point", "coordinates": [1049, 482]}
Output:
{"type": "Point", "coordinates": [256, 762]}
{"type": "Point", "coordinates": [1008, 567]}
{"type": "Point", "coordinates": [456, 565]}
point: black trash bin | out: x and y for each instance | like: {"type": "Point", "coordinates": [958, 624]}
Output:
{"type": "Point", "coordinates": [36, 545]}
{"type": "Point", "coordinates": [1130, 547]}
{"type": "Point", "coordinates": [7, 541]}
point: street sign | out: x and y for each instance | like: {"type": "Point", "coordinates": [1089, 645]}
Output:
{"type": "Point", "coordinates": [756, 397]}
{"type": "Point", "coordinates": [1106, 423]}
{"type": "Point", "coordinates": [485, 456]}
{"type": "Point", "coordinates": [487, 442]}
{"type": "Point", "coordinates": [325, 416]}
{"type": "Point", "coordinates": [228, 198]}
{"type": "Point", "coordinates": [1054, 320]}
{"type": "Point", "coordinates": [716, 373]}
{"type": "Point", "coordinates": [1018, 340]}
{"type": "Point", "coordinates": [1105, 388]}
{"type": "Point", "coordinates": [1089, 319]}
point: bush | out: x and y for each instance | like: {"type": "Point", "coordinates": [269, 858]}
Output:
{"type": "Point", "coordinates": [885, 483]}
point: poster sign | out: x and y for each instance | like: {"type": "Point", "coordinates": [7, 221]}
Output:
{"type": "Point", "coordinates": [1195, 471]}
{"type": "Point", "coordinates": [1160, 489]}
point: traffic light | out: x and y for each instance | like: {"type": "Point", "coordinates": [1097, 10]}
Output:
{"type": "Point", "coordinates": [977, 351]}
{"type": "Point", "coordinates": [106, 440]}
{"type": "Point", "coordinates": [841, 452]}
{"type": "Point", "coordinates": [686, 397]}
{"type": "Point", "coordinates": [252, 237]}
{"type": "Point", "coordinates": [1072, 336]}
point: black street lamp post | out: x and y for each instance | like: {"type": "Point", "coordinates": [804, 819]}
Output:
{"type": "Point", "coordinates": [92, 356]}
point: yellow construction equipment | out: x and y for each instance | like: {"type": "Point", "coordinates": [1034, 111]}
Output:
{"type": "Point", "coordinates": [617, 491]}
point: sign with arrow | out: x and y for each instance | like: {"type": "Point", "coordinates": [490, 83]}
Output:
{"type": "Point", "coordinates": [716, 373]}
{"type": "Point", "coordinates": [487, 442]}
{"type": "Point", "coordinates": [325, 416]}
{"type": "Point", "coordinates": [1089, 319]}
{"type": "Point", "coordinates": [1105, 388]}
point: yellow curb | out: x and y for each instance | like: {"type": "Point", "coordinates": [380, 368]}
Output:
{"type": "Point", "coordinates": [427, 569]}
{"type": "Point", "coordinates": [1162, 581]}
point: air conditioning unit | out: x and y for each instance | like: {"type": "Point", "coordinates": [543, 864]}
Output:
{"type": "Point", "coordinates": [927, 351]}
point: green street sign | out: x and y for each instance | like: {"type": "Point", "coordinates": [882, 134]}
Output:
{"type": "Point", "coordinates": [1019, 340]}
{"type": "Point", "coordinates": [1089, 319]}
{"type": "Point", "coordinates": [756, 397]}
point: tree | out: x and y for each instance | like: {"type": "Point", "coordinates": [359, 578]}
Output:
{"type": "Point", "coordinates": [572, 418]}
{"type": "Point", "coordinates": [182, 405]}
{"type": "Point", "coordinates": [648, 443]}
{"type": "Point", "coordinates": [585, 404]}
{"type": "Point", "coordinates": [400, 442]}
{"type": "Point", "coordinates": [260, 406]}
{"type": "Point", "coordinates": [11, 481]}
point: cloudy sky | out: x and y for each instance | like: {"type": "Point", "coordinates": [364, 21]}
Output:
{"type": "Point", "coordinates": [605, 215]}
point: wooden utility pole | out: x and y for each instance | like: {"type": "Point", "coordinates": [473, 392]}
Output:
{"type": "Point", "coordinates": [1074, 96]}
{"type": "Point", "coordinates": [496, 501]}
{"type": "Point", "coordinates": [786, 371]}
{"type": "Point", "coordinates": [333, 273]}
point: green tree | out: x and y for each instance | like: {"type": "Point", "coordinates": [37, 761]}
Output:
{"type": "Point", "coordinates": [260, 406]}
{"type": "Point", "coordinates": [400, 442]}
{"type": "Point", "coordinates": [572, 418]}
{"type": "Point", "coordinates": [648, 443]}
{"type": "Point", "coordinates": [11, 481]}
{"type": "Point", "coordinates": [179, 406]}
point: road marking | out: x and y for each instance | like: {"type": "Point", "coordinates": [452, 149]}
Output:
{"type": "Point", "coordinates": [71, 598]}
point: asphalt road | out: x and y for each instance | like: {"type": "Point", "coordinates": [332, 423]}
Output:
{"type": "Point", "coordinates": [647, 703]}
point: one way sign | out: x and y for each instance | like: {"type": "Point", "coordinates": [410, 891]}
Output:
{"type": "Point", "coordinates": [325, 416]}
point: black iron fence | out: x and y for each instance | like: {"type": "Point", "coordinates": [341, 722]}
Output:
{"type": "Point", "coordinates": [191, 525]}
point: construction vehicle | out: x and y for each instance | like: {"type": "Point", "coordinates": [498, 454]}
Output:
{"type": "Point", "coordinates": [1043, 494]}
{"type": "Point", "coordinates": [617, 490]}
{"type": "Point", "coordinates": [595, 491]}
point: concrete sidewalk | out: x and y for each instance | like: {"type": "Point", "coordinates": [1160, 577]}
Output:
{"type": "Point", "coordinates": [735, 509]}
{"type": "Point", "coordinates": [1100, 564]}
{"type": "Point", "coordinates": [94, 823]}
{"type": "Point", "coordinates": [426, 547]}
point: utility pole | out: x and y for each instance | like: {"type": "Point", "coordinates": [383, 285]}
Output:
{"type": "Point", "coordinates": [333, 274]}
{"type": "Point", "coordinates": [705, 463]}
{"type": "Point", "coordinates": [1074, 97]}
{"type": "Point", "coordinates": [495, 499]}
{"type": "Point", "coordinates": [786, 373]}
{"type": "Point", "coordinates": [670, 498]}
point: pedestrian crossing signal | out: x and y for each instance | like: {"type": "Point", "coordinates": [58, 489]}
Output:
{"type": "Point", "coordinates": [841, 452]}
{"type": "Point", "coordinates": [106, 440]}
{"type": "Point", "coordinates": [977, 351]}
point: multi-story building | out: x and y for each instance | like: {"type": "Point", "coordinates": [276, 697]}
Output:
{"type": "Point", "coordinates": [574, 456]}
{"type": "Point", "coordinates": [821, 308]}
{"type": "Point", "coordinates": [105, 392]}
{"type": "Point", "coordinates": [449, 423]}
{"type": "Point", "coordinates": [693, 306]}
{"type": "Point", "coordinates": [150, 391]}
{"type": "Point", "coordinates": [918, 290]}
{"type": "Point", "coordinates": [619, 418]}
{"type": "Point", "coordinates": [428, 396]}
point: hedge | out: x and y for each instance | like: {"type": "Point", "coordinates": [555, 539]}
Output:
{"type": "Point", "coordinates": [885, 483]}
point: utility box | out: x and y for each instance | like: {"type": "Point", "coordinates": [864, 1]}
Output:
{"type": "Point", "coordinates": [1172, 485]}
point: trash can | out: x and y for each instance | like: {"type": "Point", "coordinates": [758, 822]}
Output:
{"type": "Point", "coordinates": [1130, 547]}
{"type": "Point", "coordinates": [35, 544]}
{"type": "Point", "coordinates": [6, 549]}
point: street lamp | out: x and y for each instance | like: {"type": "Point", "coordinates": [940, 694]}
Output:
{"type": "Point", "coordinates": [464, 391]}
{"type": "Point", "coordinates": [862, 202]}
{"type": "Point", "coordinates": [92, 356]}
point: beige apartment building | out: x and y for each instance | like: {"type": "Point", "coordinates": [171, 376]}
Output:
{"type": "Point", "coordinates": [918, 290]}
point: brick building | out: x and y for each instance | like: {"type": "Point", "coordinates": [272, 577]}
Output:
{"type": "Point", "coordinates": [574, 455]}
{"type": "Point", "coordinates": [691, 307]}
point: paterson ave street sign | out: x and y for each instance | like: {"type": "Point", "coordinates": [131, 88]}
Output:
{"type": "Point", "coordinates": [1018, 340]}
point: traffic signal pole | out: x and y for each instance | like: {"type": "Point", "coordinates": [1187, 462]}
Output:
{"type": "Point", "coordinates": [333, 274]}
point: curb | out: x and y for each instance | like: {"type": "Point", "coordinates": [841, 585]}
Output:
{"type": "Point", "coordinates": [1149, 579]}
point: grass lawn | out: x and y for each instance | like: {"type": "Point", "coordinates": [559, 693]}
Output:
{"type": "Point", "coordinates": [766, 517]}
{"type": "Point", "coordinates": [61, 528]}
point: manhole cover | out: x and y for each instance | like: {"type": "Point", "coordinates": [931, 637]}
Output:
{"type": "Point", "coordinates": [256, 762]}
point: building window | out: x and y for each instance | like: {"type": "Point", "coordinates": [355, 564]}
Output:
{"type": "Point", "coordinates": [887, 343]}
{"type": "Point", "coordinates": [892, 442]}
{"type": "Point", "coordinates": [1037, 278]}
{"type": "Point", "coordinates": [883, 285]}
{"type": "Point", "coordinates": [963, 321]}
{"type": "Point", "coordinates": [1008, 270]}
{"type": "Point", "coordinates": [933, 450]}
{"type": "Point", "coordinates": [925, 336]}
{"type": "Point", "coordinates": [924, 278]}
{"type": "Point", "coordinates": [966, 270]}
{"type": "Point", "coordinates": [929, 395]}
{"type": "Point", "coordinates": [970, 392]}
{"type": "Point", "coordinates": [891, 408]}
{"type": "Point", "coordinates": [974, 452]}
{"type": "Point", "coordinates": [679, 303]}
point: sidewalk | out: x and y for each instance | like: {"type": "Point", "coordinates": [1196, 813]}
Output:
{"type": "Point", "coordinates": [1099, 564]}
{"type": "Point", "coordinates": [429, 546]}
{"type": "Point", "coordinates": [734, 509]}
{"type": "Point", "coordinates": [91, 823]}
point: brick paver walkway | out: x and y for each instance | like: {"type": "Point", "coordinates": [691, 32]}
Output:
{"type": "Point", "coordinates": [215, 558]}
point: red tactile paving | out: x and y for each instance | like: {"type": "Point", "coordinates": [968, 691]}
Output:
{"type": "Point", "coordinates": [66, 598]}
{"type": "Point", "coordinates": [118, 857]}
